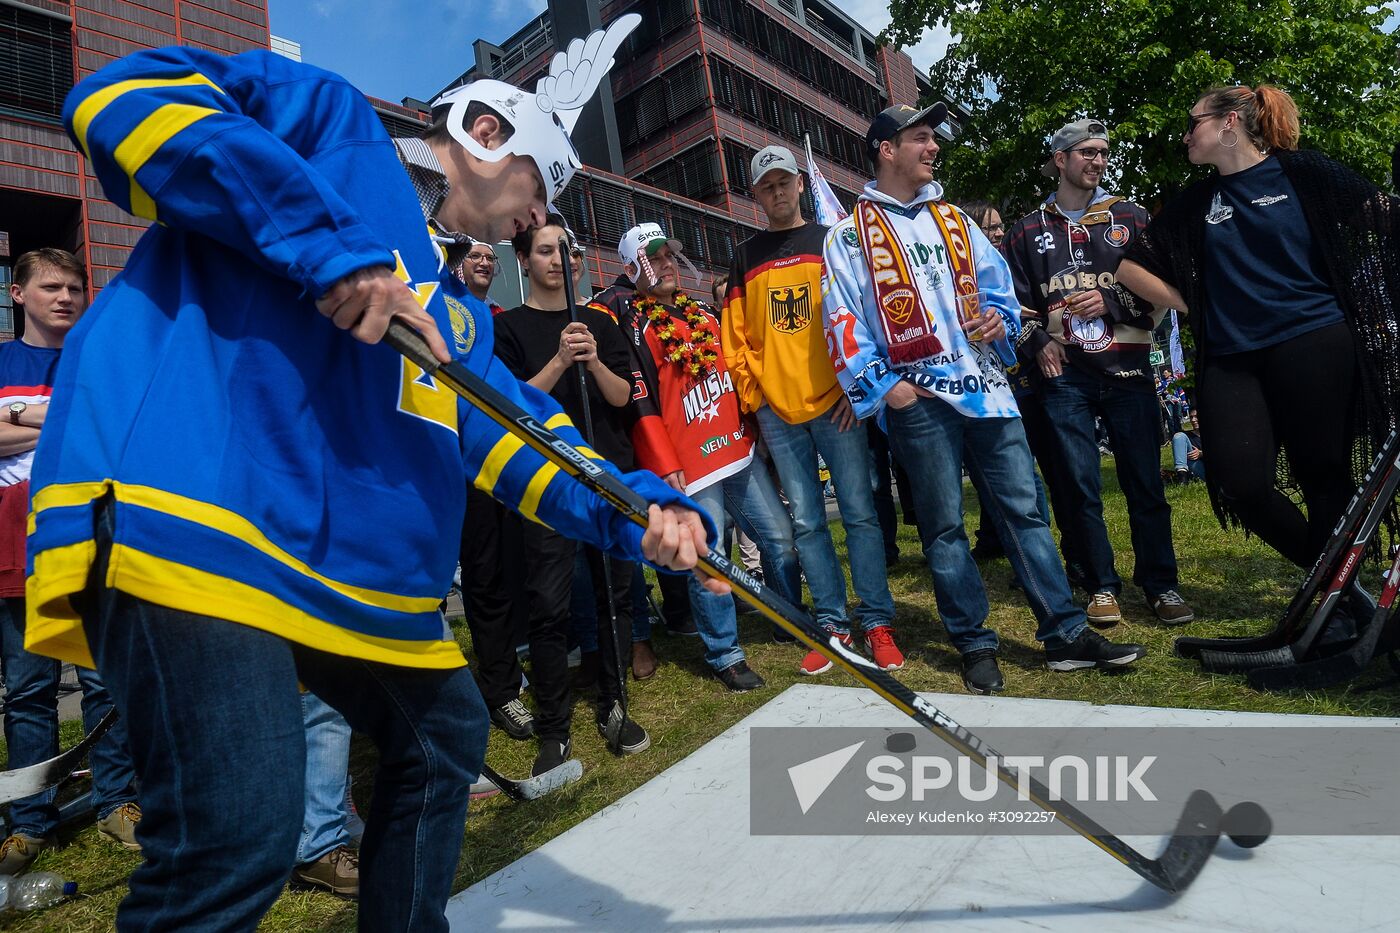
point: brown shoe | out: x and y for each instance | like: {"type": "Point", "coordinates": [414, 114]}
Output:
{"type": "Point", "coordinates": [338, 871]}
{"type": "Point", "coordinates": [19, 851]}
{"type": "Point", "coordinates": [1171, 608]}
{"type": "Point", "coordinates": [1103, 609]}
{"type": "Point", "coordinates": [120, 826]}
{"type": "Point", "coordinates": [643, 660]}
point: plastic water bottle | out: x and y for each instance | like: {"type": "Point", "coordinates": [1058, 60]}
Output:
{"type": "Point", "coordinates": [33, 891]}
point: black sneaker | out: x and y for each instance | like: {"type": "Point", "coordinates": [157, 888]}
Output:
{"type": "Point", "coordinates": [553, 753]}
{"type": "Point", "coordinates": [740, 678]}
{"type": "Point", "coordinates": [980, 672]}
{"type": "Point", "coordinates": [631, 739]}
{"type": "Point", "coordinates": [1091, 649]}
{"type": "Point", "coordinates": [514, 719]}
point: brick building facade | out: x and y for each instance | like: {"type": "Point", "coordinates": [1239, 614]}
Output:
{"type": "Point", "coordinates": [48, 197]}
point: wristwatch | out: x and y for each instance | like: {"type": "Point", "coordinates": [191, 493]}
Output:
{"type": "Point", "coordinates": [17, 409]}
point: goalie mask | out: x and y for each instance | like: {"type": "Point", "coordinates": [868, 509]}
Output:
{"type": "Point", "coordinates": [543, 120]}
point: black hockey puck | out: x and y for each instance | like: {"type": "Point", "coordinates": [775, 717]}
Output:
{"type": "Point", "coordinates": [1246, 824]}
{"type": "Point", "coordinates": [899, 742]}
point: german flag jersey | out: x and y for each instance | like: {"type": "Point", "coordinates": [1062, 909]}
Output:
{"type": "Point", "coordinates": [264, 467]}
{"type": "Point", "coordinates": [773, 331]}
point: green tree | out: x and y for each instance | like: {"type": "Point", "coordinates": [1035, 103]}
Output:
{"type": "Point", "coordinates": [1026, 67]}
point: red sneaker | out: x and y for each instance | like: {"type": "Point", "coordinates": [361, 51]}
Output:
{"type": "Point", "coordinates": [880, 643]}
{"type": "Point", "coordinates": [818, 663]}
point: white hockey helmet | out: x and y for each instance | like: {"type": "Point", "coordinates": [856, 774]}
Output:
{"type": "Point", "coordinates": [542, 120]}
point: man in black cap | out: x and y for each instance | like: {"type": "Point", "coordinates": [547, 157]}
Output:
{"type": "Point", "coordinates": [1094, 357]}
{"type": "Point", "coordinates": [921, 315]}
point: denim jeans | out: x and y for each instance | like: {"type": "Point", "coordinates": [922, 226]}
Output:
{"type": "Point", "coordinates": [794, 448]}
{"type": "Point", "coordinates": [31, 728]}
{"type": "Point", "coordinates": [1181, 456]}
{"type": "Point", "coordinates": [215, 725]}
{"type": "Point", "coordinates": [324, 823]}
{"type": "Point", "coordinates": [1072, 401]}
{"type": "Point", "coordinates": [750, 497]}
{"type": "Point", "coordinates": [931, 439]}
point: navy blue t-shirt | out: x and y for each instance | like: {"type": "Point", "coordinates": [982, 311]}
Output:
{"type": "Point", "coordinates": [1264, 277]}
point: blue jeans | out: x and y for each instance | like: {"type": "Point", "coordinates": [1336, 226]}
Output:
{"type": "Point", "coordinates": [31, 729]}
{"type": "Point", "coordinates": [931, 439]}
{"type": "Point", "coordinates": [750, 497]}
{"type": "Point", "coordinates": [1181, 459]}
{"type": "Point", "coordinates": [215, 725]}
{"type": "Point", "coordinates": [794, 448]}
{"type": "Point", "coordinates": [1072, 401]}
{"type": "Point", "coordinates": [323, 825]}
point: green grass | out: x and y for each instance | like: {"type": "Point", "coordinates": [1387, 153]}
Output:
{"type": "Point", "coordinates": [1236, 585]}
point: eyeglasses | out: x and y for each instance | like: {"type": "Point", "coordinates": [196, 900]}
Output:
{"type": "Point", "coordinates": [1194, 120]}
{"type": "Point", "coordinates": [988, 228]}
{"type": "Point", "coordinates": [1093, 154]}
{"type": "Point", "coordinates": [487, 258]}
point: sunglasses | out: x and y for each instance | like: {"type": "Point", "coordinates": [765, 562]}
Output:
{"type": "Point", "coordinates": [1194, 120]}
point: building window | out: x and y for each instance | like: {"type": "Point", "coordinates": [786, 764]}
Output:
{"type": "Point", "coordinates": [36, 61]}
{"type": "Point", "coordinates": [693, 173]}
{"type": "Point", "coordinates": [660, 102]}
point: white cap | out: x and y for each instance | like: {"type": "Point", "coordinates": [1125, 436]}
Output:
{"type": "Point", "coordinates": [771, 157]}
{"type": "Point", "coordinates": [544, 119]}
{"type": "Point", "coordinates": [644, 239]}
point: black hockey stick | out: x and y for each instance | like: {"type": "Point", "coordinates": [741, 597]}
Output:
{"type": "Point", "coordinates": [1270, 646]}
{"type": "Point", "coordinates": [1343, 577]}
{"type": "Point", "coordinates": [24, 782]}
{"type": "Point", "coordinates": [616, 719]}
{"type": "Point", "coordinates": [1346, 664]}
{"type": "Point", "coordinates": [533, 788]}
{"type": "Point", "coordinates": [1197, 831]}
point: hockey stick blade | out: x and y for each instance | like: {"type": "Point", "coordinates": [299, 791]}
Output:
{"type": "Point", "coordinates": [1375, 490]}
{"type": "Point", "coordinates": [1197, 833]}
{"type": "Point", "coordinates": [1344, 665]}
{"type": "Point", "coordinates": [533, 788]}
{"type": "Point", "coordinates": [1237, 662]}
{"type": "Point", "coordinates": [1173, 872]}
{"type": "Point", "coordinates": [25, 782]}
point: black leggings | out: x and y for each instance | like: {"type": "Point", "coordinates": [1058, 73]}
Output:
{"type": "Point", "coordinates": [1297, 395]}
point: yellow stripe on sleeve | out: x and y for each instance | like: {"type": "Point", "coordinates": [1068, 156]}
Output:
{"type": "Point", "coordinates": [97, 101]}
{"type": "Point", "coordinates": [146, 139]}
{"type": "Point", "coordinates": [496, 461]}
{"type": "Point", "coordinates": [530, 501]}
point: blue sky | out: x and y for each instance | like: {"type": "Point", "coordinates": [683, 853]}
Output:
{"type": "Point", "coordinates": [401, 48]}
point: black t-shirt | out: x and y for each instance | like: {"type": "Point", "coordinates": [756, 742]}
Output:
{"type": "Point", "coordinates": [527, 339]}
{"type": "Point", "coordinates": [1264, 276]}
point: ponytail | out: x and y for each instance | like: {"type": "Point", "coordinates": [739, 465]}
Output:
{"type": "Point", "coordinates": [1277, 119]}
{"type": "Point", "coordinates": [1268, 115]}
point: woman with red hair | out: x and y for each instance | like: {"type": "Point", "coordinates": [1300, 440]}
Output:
{"type": "Point", "coordinates": [1289, 266]}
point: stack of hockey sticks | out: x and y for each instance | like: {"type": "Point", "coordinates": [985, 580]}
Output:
{"type": "Point", "coordinates": [1297, 655]}
{"type": "Point", "coordinates": [1201, 822]}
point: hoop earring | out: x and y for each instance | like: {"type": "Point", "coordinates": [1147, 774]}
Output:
{"type": "Point", "coordinates": [1234, 137]}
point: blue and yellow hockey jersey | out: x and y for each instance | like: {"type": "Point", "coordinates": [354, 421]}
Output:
{"type": "Point", "coordinates": [266, 467]}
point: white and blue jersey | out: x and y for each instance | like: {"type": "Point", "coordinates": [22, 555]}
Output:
{"type": "Point", "coordinates": [963, 375]}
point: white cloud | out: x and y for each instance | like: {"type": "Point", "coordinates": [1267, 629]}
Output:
{"type": "Point", "coordinates": [874, 15]}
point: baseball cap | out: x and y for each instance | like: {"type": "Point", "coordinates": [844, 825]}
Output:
{"type": "Point", "coordinates": [1069, 136]}
{"type": "Point", "coordinates": [900, 117]}
{"type": "Point", "coordinates": [771, 157]}
{"type": "Point", "coordinates": [649, 237]}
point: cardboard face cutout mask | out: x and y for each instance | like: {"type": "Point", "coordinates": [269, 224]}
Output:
{"type": "Point", "coordinates": [544, 119]}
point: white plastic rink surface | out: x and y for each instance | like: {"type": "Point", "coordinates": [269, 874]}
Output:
{"type": "Point", "coordinates": [676, 855]}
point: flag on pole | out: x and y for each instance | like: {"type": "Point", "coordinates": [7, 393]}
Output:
{"type": "Point", "coordinates": [829, 210]}
{"type": "Point", "coordinates": [1174, 345]}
